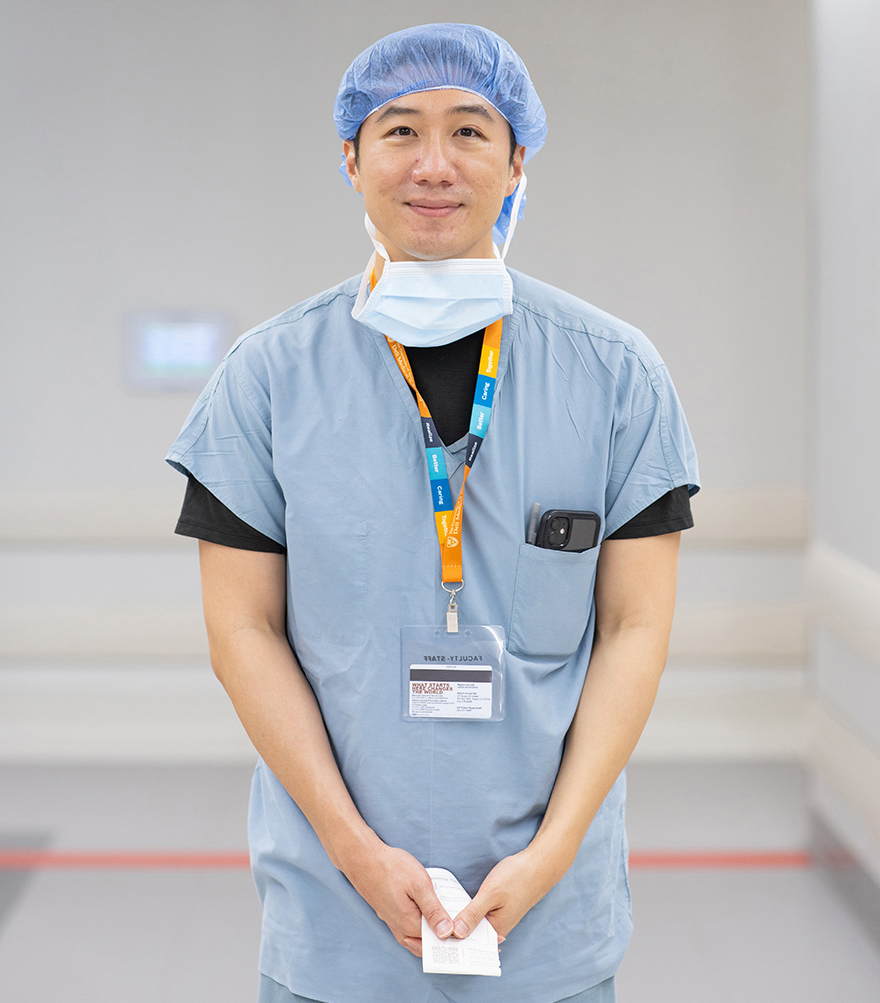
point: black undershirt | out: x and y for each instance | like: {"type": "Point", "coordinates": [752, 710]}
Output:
{"type": "Point", "coordinates": [446, 377]}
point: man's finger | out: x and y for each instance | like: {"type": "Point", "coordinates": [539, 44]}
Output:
{"type": "Point", "coordinates": [436, 916]}
{"type": "Point", "coordinates": [466, 921]}
{"type": "Point", "coordinates": [413, 945]}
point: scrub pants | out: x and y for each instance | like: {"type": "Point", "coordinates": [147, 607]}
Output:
{"type": "Point", "coordinates": [272, 992]}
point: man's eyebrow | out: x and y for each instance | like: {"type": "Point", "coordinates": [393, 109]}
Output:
{"type": "Point", "coordinates": [461, 109]}
{"type": "Point", "coordinates": [397, 109]}
{"type": "Point", "coordinates": [471, 109]}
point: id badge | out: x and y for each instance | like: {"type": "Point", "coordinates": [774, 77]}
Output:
{"type": "Point", "coordinates": [452, 677]}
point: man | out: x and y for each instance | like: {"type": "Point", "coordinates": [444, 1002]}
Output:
{"type": "Point", "coordinates": [320, 564]}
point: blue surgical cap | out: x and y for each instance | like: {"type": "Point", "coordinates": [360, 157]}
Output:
{"type": "Point", "coordinates": [436, 56]}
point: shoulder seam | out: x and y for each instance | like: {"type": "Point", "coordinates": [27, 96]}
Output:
{"type": "Point", "coordinates": [265, 419]}
{"type": "Point", "coordinates": [293, 314]}
{"type": "Point", "coordinates": [602, 334]}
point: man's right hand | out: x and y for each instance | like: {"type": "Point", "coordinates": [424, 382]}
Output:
{"type": "Point", "coordinates": [400, 891]}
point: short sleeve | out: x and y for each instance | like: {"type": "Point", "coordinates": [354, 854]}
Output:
{"type": "Point", "coordinates": [226, 444]}
{"type": "Point", "coordinates": [671, 513]}
{"type": "Point", "coordinates": [204, 517]}
{"type": "Point", "coordinates": [652, 450]}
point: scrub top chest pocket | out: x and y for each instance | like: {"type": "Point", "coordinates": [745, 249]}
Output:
{"type": "Point", "coordinates": [552, 597]}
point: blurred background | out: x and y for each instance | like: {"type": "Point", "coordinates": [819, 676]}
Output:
{"type": "Point", "coordinates": [170, 177]}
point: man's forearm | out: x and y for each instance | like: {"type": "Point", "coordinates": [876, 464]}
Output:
{"type": "Point", "coordinates": [635, 601]}
{"type": "Point", "coordinates": [622, 680]}
{"type": "Point", "coordinates": [615, 702]}
{"type": "Point", "coordinates": [279, 711]}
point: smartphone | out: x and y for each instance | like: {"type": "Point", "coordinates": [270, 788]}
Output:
{"type": "Point", "coordinates": [561, 529]}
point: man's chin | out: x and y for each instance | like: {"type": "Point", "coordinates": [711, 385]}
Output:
{"type": "Point", "coordinates": [427, 252]}
{"type": "Point", "coordinates": [443, 250]}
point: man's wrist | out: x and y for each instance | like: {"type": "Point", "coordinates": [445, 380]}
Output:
{"type": "Point", "coordinates": [350, 846]}
{"type": "Point", "coordinates": [550, 856]}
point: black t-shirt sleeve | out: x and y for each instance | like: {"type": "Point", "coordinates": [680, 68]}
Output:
{"type": "Point", "coordinates": [669, 514]}
{"type": "Point", "coordinates": [205, 517]}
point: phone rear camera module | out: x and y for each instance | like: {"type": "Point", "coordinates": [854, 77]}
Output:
{"type": "Point", "coordinates": [559, 526]}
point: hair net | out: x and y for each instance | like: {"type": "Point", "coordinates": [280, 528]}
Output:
{"type": "Point", "coordinates": [436, 56]}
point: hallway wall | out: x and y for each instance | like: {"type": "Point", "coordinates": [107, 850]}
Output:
{"type": "Point", "coordinates": [845, 463]}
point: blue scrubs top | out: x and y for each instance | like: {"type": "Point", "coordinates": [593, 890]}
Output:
{"type": "Point", "coordinates": [309, 433]}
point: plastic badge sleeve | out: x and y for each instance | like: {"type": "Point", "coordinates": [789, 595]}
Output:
{"type": "Point", "coordinates": [452, 676]}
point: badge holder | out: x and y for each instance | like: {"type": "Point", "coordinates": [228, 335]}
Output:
{"type": "Point", "coordinates": [454, 673]}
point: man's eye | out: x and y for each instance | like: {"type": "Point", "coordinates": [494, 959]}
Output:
{"type": "Point", "coordinates": [468, 132]}
{"type": "Point", "coordinates": [402, 130]}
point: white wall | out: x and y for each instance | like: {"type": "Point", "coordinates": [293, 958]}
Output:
{"type": "Point", "coordinates": [845, 560]}
{"type": "Point", "coordinates": [183, 155]}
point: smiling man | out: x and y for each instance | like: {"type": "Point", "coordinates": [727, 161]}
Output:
{"type": "Point", "coordinates": [435, 677]}
{"type": "Point", "coordinates": [433, 169]}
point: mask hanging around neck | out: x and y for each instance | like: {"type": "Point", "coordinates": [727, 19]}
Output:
{"type": "Point", "coordinates": [423, 304]}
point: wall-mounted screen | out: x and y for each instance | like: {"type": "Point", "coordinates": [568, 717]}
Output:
{"type": "Point", "coordinates": [173, 349]}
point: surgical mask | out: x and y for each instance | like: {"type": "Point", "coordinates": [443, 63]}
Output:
{"type": "Point", "coordinates": [423, 304]}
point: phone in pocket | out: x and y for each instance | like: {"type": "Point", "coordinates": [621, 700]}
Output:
{"type": "Point", "coordinates": [562, 529]}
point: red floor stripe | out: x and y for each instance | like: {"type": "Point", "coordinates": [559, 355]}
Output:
{"type": "Point", "coordinates": [721, 860]}
{"type": "Point", "coordinates": [27, 860]}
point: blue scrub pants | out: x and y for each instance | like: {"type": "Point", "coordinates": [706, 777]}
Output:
{"type": "Point", "coordinates": [272, 992]}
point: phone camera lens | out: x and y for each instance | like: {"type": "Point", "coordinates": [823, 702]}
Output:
{"type": "Point", "coordinates": [558, 531]}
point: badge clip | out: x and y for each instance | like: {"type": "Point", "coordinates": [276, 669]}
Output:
{"type": "Point", "coordinates": [452, 610]}
{"type": "Point", "coordinates": [452, 617]}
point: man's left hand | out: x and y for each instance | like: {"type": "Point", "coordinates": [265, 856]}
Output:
{"type": "Point", "coordinates": [509, 890]}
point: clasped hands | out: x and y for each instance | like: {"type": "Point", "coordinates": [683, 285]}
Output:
{"type": "Point", "coordinates": [400, 891]}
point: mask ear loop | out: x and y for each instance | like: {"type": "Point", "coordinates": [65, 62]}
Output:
{"type": "Point", "coordinates": [371, 233]}
{"type": "Point", "coordinates": [514, 214]}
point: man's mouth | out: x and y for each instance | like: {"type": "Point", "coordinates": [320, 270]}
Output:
{"type": "Point", "coordinates": [434, 209]}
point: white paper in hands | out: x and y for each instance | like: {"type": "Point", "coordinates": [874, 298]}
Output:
{"type": "Point", "coordinates": [476, 954]}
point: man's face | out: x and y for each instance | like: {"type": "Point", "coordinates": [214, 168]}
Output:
{"type": "Point", "coordinates": [434, 169]}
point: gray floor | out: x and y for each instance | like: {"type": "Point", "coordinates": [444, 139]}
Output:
{"type": "Point", "coordinates": [702, 936]}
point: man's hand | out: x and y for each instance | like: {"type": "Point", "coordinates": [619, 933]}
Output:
{"type": "Point", "coordinates": [400, 891]}
{"type": "Point", "coordinates": [509, 890]}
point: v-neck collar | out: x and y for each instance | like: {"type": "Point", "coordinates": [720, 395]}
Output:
{"type": "Point", "coordinates": [508, 333]}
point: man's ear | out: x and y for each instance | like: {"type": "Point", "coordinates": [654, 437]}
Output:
{"type": "Point", "coordinates": [516, 169]}
{"type": "Point", "coordinates": [350, 165]}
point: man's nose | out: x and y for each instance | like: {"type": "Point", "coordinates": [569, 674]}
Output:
{"type": "Point", "coordinates": [434, 164]}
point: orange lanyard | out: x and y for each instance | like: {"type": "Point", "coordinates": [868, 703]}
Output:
{"type": "Point", "coordinates": [447, 516]}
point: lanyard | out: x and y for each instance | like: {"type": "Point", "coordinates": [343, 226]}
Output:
{"type": "Point", "coordinates": [446, 515]}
